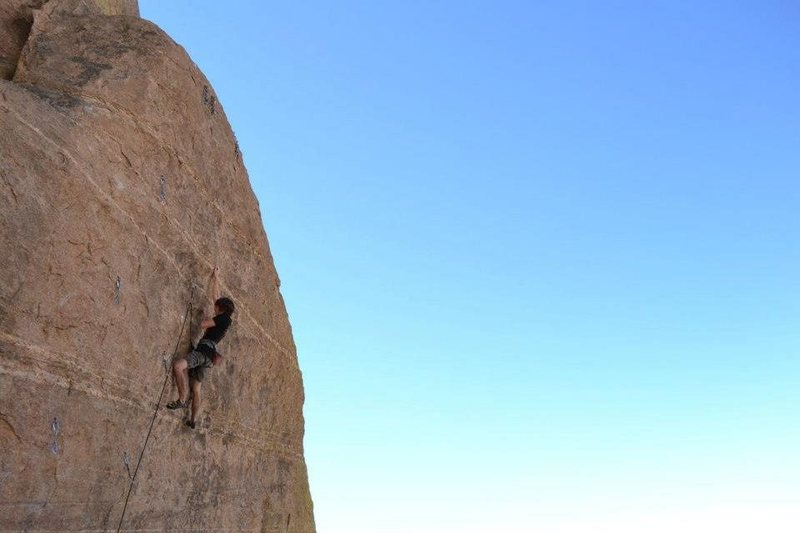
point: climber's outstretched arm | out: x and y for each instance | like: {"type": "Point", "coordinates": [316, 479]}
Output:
{"type": "Point", "coordinates": [214, 292]}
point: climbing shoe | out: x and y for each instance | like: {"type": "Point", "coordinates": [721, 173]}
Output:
{"type": "Point", "coordinates": [190, 423]}
{"type": "Point", "coordinates": [177, 404]}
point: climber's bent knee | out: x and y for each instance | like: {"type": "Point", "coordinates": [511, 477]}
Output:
{"type": "Point", "coordinates": [180, 365]}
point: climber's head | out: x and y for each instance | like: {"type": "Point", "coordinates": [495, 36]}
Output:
{"type": "Point", "coordinates": [224, 305]}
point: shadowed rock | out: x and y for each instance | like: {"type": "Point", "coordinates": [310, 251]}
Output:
{"type": "Point", "coordinates": [16, 18]}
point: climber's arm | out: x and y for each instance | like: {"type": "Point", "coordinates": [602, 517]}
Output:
{"type": "Point", "coordinates": [215, 294]}
{"type": "Point", "coordinates": [208, 322]}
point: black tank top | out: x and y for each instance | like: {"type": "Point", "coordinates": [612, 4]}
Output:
{"type": "Point", "coordinates": [217, 331]}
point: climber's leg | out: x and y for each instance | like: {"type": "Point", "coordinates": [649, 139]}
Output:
{"type": "Point", "coordinates": [195, 385]}
{"type": "Point", "coordinates": [194, 360]}
{"type": "Point", "coordinates": [180, 369]}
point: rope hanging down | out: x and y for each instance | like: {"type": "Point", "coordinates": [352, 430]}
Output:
{"type": "Point", "coordinates": [155, 413]}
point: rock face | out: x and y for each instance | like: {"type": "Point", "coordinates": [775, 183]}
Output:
{"type": "Point", "coordinates": [16, 18]}
{"type": "Point", "coordinates": [121, 186]}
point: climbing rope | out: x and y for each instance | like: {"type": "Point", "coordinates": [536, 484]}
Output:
{"type": "Point", "coordinates": [155, 413]}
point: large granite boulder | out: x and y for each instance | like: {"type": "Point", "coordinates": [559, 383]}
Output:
{"type": "Point", "coordinates": [122, 185]}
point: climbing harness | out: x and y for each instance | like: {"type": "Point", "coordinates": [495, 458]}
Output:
{"type": "Point", "coordinates": [155, 413]}
{"type": "Point", "coordinates": [215, 358]}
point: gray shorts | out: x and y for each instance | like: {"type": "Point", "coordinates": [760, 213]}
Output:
{"type": "Point", "coordinates": [198, 362]}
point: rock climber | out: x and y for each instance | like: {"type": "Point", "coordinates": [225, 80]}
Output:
{"type": "Point", "coordinates": [189, 370]}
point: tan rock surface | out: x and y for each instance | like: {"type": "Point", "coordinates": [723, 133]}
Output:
{"type": "Point", "coordinates": [16, 18]}
{"type": "Point", "coordinates": [121, 186]}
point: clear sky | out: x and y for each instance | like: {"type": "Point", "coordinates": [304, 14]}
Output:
{"type": "Point", "coordinates": [541, 258]}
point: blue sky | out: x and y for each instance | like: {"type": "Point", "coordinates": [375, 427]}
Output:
{"type": "Point", "coordinates": [540, 260]}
